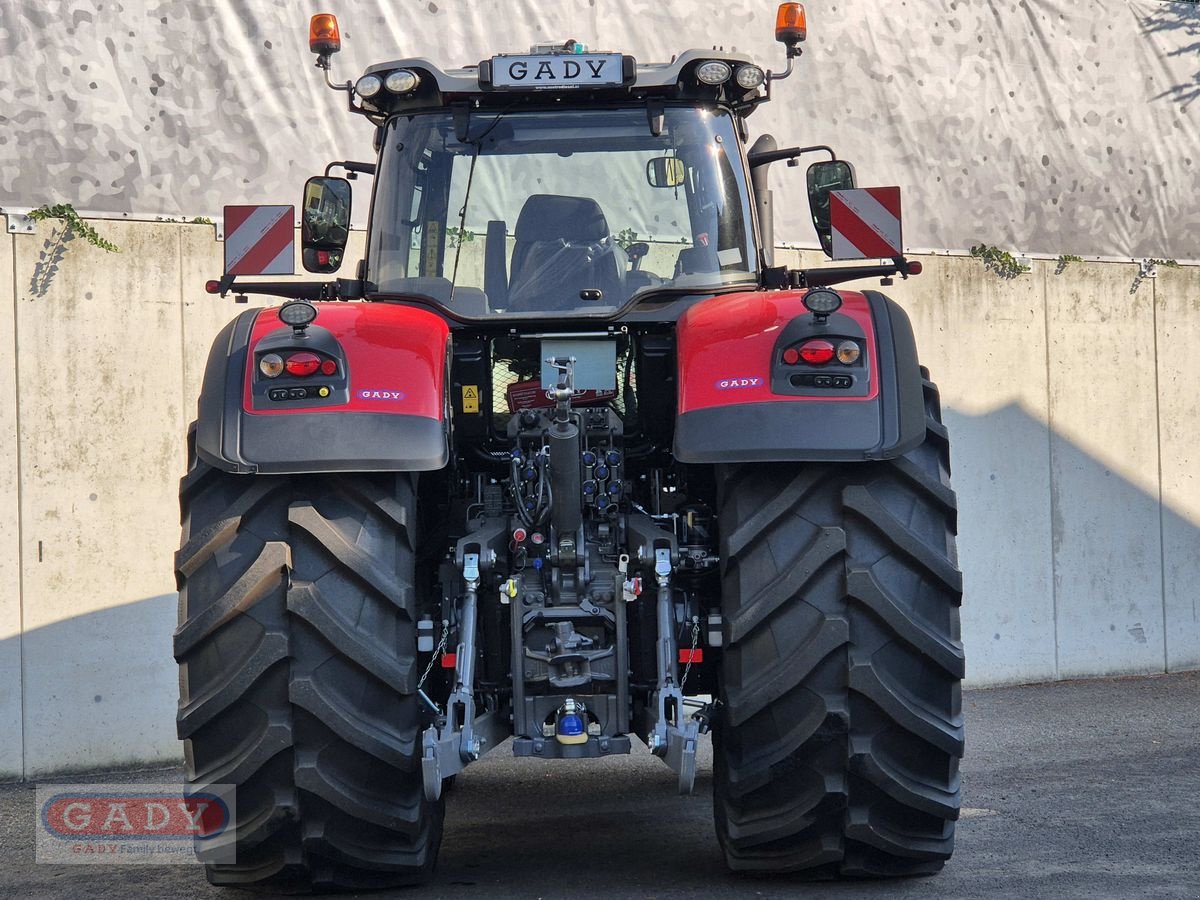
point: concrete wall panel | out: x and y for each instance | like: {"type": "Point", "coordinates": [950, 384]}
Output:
{"type": "Point", "coordinates": [11, 738]}
{"type": "Point", "coordinates": [1177, 296]}
{"type": "Point", "coordinates": [1104, 464]}
{"type": "Point", "coordinates": [203, 314]}
{"type": "Point", "coordinates": [984, 340]}
{"type": "Point", "coordinates": [100, 384]}
{"type": "Point", "coordinates": [1048, 386]}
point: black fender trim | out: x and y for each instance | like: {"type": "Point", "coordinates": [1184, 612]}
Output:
{"type": "Point", "coordinates": [901, 385]}
{"type": "Point", "coordinates": [327, 441]}
{"type": "Point", "coordinates": [810, 431]}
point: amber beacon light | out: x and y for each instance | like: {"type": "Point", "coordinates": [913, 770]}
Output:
{"type": "Point", "coordinates": [790, 25]}
{"type": "Point", "coordinates": [324, 37]}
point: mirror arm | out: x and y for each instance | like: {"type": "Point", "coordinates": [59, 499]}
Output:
{"type": "Point", "coordinates": [340, 289]}
{"type": "Point", "coordinates": [781, 277]}
{"type": "Point", "coordinates": [351, 166]}
{"type": "Point", "coordinates": [761, 159]}
{"type": "Point", "coordinates": [838, 274]}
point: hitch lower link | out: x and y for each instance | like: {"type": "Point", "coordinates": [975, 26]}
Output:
{"type": "Point", "coordinates": [672, 737]}
{"type": "Point", "coordinates": [447, 748]}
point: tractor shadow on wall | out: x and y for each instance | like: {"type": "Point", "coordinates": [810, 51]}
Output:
{"type": "Point", "coordinates": [1185, 18]}
{"type": "Point", "coordinates": [1074, 582]}
{"type": "Point", "coordinates": [100, 691]}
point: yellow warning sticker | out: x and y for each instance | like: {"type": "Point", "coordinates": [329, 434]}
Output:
{"type": "Point", "coordinates": [470, 397]}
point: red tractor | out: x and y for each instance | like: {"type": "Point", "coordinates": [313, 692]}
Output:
{"type": "Point", "coordinates": [569, 461]}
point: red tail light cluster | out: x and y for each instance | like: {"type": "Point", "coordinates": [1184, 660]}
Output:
{"type": "Point", "coordinates": [818, 352]}
{"type": "Point", "coordinates": [300, 365]}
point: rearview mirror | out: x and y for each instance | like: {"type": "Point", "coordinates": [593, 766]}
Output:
{"type": "Point", "coordinates": [823, 177]}
{"type": "Point", "coordinates": [665, 172]}
{"type": "Point", "coordinates": [325, 223]}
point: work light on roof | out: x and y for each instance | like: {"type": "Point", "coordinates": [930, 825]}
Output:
{"type": "Point", "coordinates": [714, 72]}
{"type": "Point", "coordinates": [368, 86]}
{"type": "Point", "coordinates": [401, 81]}
{"type": "Point", "coordinates": [750, 77]}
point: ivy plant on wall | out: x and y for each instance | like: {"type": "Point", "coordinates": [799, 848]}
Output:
{"type": "Point", "coordinates": [66, 213]}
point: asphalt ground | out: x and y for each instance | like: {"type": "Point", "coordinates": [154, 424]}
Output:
{"type": "Point", "coordinates": [1076, 789]}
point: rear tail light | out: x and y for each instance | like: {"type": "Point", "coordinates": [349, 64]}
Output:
{"type": "Point", "coordinates": [271, 365]}
{"type": "Point", "coordinates": [817, 352]}
{"type": "Point", "coordinates": [302, 364]}
{"type": "Point", "coordinates": [328, 367]}
{"type": "Point", "coordinates": [847, 353]}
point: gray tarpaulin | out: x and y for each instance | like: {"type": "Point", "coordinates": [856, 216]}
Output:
{"type": "Point", "coordinates": [1038, 125]}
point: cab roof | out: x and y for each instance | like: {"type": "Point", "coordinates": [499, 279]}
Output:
{"type": "Point", "coordinates": [673, 80]}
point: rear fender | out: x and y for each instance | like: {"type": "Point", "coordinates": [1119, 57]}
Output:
{"type": "Point", "coordinates": [380, 408]}
{"type": "Point", "coordinates": [739, 401]}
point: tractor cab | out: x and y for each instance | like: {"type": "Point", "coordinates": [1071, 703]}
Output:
{"type": "Point", "coordinates": [561, 181]}
{"type": "Point", "coordinates": [559, 211]}
{"type": "Point", "coordinates": [565, 182]}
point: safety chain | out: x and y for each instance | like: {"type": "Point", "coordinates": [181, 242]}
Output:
{"type": "Point", "coordinates": [692, 653]}
{"type": "Point", "coordinates": [437, 652]}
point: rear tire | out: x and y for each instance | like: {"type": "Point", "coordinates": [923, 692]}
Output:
{"type": "Point", "coordinates": [297, 654]}
{"type": "Point", "coordinates": [840, 726]}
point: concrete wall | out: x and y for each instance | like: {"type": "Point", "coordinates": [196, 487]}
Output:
{"type": "Point", "coordinates": [1074, 424]}
{"type": "Point", "coordinates": [1071, 402]}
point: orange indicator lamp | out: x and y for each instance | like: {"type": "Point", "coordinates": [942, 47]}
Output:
{"type": "Point", "coordinates": [790, 25]}
{"type": "Point", "coordinates": [324, 36]}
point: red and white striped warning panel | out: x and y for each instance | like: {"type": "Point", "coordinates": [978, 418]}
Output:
{"type": "Point", "coordinates": [260, 240]}
{"type": "Point", "coordinates": [866, 223]}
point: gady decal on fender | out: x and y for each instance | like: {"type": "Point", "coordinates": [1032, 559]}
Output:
{"type": "Point", "coordinates": [370, 394]}
{"type": "Point", "coordinates": [726, 384]}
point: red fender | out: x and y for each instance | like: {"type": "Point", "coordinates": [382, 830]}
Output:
{"type": "Point", "coordinates": [743, 397]}
{"type": "Point", "coordinates": [376, 403]}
